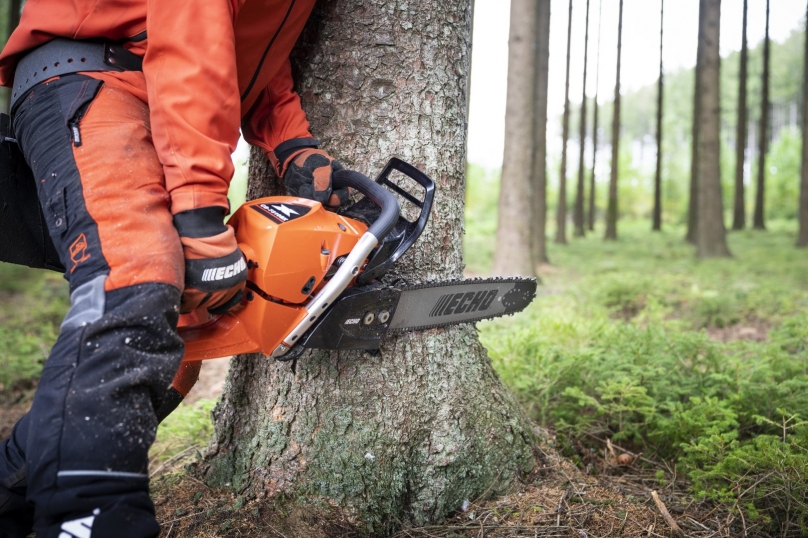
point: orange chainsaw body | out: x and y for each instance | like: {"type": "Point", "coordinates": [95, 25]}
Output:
{"type": "Point", "coordinates": [290, 245]}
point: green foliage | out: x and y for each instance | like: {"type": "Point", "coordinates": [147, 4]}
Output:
{"type": "Point", "coordinates": [626, 341]}
{"type": "Point", "coordinates": [188, 427]}
{"type": "Point", "coordinates": [34, 303]}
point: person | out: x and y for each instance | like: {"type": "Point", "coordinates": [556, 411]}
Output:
{"type": "Point", "coordinates": [127, 114]}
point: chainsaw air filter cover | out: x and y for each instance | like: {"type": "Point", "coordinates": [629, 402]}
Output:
{"type": "Point", "coordinates": [290, 244]}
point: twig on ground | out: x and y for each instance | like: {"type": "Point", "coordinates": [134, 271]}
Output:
{"type": "Point", "coordinates": [172, 459]}
{"type": "Point", "coordinates": [667, 516]}
{"type": "Point", "coordinates": [608, 442]}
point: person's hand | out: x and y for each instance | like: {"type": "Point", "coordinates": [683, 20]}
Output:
{"type": "Point", "coordinates": [307, 173]}
{"type": "Point", "coordinates": [215, 268]}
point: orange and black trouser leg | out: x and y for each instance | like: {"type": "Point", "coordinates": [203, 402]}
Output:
{"type": "Point", "coordinates": [85, 442]}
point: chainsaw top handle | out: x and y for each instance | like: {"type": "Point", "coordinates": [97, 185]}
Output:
{"type": "Point", "coordinates": [375, 193]}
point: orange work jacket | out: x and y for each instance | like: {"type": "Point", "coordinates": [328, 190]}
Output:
{"type": "Point", "coordinates": [208, 66]}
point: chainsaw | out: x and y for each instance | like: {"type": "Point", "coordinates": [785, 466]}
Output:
{"type": "Point", "coordinates": [317, 279]}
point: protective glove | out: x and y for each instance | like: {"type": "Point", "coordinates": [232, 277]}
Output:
{"type": "Point", "coordinates": [307, 173]}
{"type": "Point", "coordinates": [215, 268]}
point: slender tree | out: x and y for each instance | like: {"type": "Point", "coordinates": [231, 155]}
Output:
{"type": "Point", "coordinates": [401, 438]}
{"type": "Point", "coordinates": [561, 212]}
{"type": "Point", "coordinates": [578, 212]}
{"type": "Point", "coordinates": [657, 224]}
{"type": "Point", "coordinates": [611, 211]}
{"type": "Point", "coordinates": [711, 236]}
{"type": "Point", "coordinates": [693, 202]}
{"type": "Point", "coordinates": [739, 212]}
{"type": "Point", "coordinates": [591, 212]}
{"type": "Point", "coordinates": [758, 220]}
{"type": "Point", "coordinates": [539, 175]}
{"type": "Point", "coordinates": [515, 219]}
{"type": "Point", "coordinates": [802, 239]}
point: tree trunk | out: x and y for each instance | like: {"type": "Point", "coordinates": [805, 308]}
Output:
{"type": "Point", "coordinates": [578, 213]}
{"type": "Point", "coordinates": [611, 211]}
{"type": "Point", "coordinates": [739, 213]}
{"type": "Point", "coordinates": [592, 192]}
{"type": "Point", "coordinates": [404, 437]}
{"type": "Point", "coordinates": [711, 236]}
{"type": "Point", "coordinates": [693, 203]}
{"type": "Point", "coordinates": [512, 255]}
{"type": "Point", "coordinates": [539, 175]}
{"type": "Point", "coordinates": [561, 212]}
{"type": "Point", "coordinates": [758, 220]}
{"type": "Point", "coordinates": [802, 239]}
{"type": "Point", "coordinates": [657, 220]}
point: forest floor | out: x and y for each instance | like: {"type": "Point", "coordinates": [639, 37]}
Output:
{"type": "Point", "coordinates": [648, 371]}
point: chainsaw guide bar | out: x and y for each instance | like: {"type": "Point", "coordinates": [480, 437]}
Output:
{"type": "Point", "coordinates": [365, 314]}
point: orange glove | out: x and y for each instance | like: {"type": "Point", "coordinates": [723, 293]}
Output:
{"type": "Point", "coordinates": [307, 172]}
{"type": "Point", "coordinates": [215, 268]}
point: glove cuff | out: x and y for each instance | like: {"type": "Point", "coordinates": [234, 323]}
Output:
{"type": "Point", "coordinates": [201, 222]}
{"type": "Point", "coordinates": [283, 152]}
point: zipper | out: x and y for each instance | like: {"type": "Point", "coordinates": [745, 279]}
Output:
{"type": "Point", "coordinates": [76, 133]}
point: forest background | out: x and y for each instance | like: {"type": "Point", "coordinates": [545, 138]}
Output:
{"type": "Point", "coordinates": [699, 367]}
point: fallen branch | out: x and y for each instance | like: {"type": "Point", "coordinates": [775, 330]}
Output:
{"type": "Point", "coordinates": [667, 516]}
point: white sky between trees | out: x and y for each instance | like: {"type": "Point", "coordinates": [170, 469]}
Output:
{"type": "Point", "coordinates": [640, 58]}
{"type": "Point", "coordinates": [640, 61]}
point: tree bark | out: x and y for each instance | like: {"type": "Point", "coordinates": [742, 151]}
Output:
{"type": "Point", "coordinates": [404, 437]}
{"type": "Point", "coordinates": [802, 212]}
{"type": "Point", "coordinates": [611, 211]}
{"type": "Point", "coordinates": [693, 203]}
{"type": "Point", "coordinates": [592, 192]}
{"type": "Point", "coordinates": [578, 212]}
{"type": "Point", "coordinates": [758, 219]}
{"type": "Point", "coordinates": [561, 211]}
{"type": "Point", "coordinates": [739, 213]}
{"type": "Point", "coordinates": [513, 255]}
{"type": "Point", "coordinates": [657, 219]}
{"type": "Point", "coordinates": [711, 237]}
{"type": "Point", "coordinates": [539, 175]}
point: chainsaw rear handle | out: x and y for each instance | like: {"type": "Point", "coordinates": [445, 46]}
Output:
{"type": "Point", "coordinates": [375, 193]}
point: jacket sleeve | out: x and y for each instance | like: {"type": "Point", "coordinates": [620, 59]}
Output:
{"type": "Point", "coordinates": [277, 117]}
{"type": "Point", "coordinates": [190, 71]}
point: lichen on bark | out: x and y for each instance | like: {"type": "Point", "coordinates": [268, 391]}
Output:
{"type": "Point", "coordinates": [403, 437]}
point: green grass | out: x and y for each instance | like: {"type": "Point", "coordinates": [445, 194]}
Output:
{"type": "Point", "coordinates": [33, 305]}
{"type": "Point", "coordinates": [626, 341]}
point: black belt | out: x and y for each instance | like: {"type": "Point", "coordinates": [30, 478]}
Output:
{"type": "Point", "coordinates": [64, 56]}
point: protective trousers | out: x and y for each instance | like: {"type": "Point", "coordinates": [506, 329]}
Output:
{"type": "Point", "coordinates": [77, 464]}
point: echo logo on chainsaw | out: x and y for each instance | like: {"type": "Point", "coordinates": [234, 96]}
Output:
{"type": "Point", "coordinates": [463, 303]}
{"type": "Point", "coordinates": [222, 273]}
{"type": "Point", "coordinates": [281, 213]}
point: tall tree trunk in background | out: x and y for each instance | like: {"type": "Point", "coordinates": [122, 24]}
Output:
{"type": "Point", "coordinates": [711, 236]}
{"type": "Point", "coordinates": [513, 255]}
{"type": "Point", "coordinates": [14, 9]}
{"type": "Point", "coordinates": [657, 220]}
{"type": "Point", "coordinates": [404, 437]}
{"type": "Point", "coordinates": [693, 202]}
{"type": "Point", "coordinates": [611, 210]}
{"type": "Point", "coordinates": [578, 212]}
{"type": "Point", "coordinates": [739, 212]}
{"type": "Point", "coordinates": [802, 212]}
{"type": "Point", "coordinates": [561, 212]}
{"type": "Point", "coordinates": [539, 175]}
{"type": "Point", "coordinates": [592, 192]}
{"type": "Point", "coordinates": [758, 220]}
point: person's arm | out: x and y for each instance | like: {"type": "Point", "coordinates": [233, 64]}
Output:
{"type": "Point", "coordinates": [190, 70]}
{"type": "Point", "coordinates": [277, 124]}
